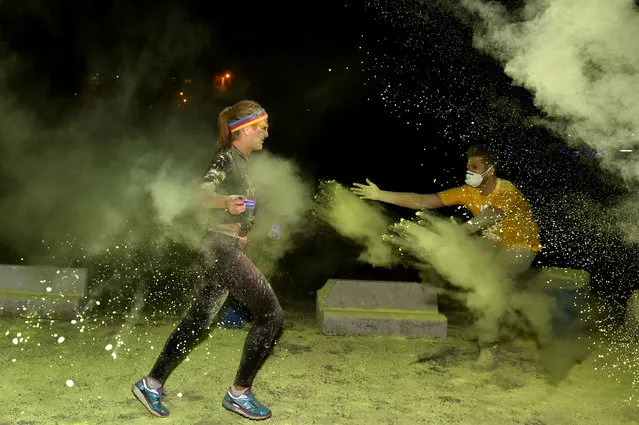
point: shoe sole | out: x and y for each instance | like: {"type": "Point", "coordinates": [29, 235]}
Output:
{"type": "Point", "coordinates": [238, 409]}
{"type": "Point", "coordinates": [140, 396]}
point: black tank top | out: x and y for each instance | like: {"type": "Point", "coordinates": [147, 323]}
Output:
{"type": "Point", "coordinates": [227, 175]}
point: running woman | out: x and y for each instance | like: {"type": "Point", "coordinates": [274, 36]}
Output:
{"type": "Point", "coordinates": [227, 192]}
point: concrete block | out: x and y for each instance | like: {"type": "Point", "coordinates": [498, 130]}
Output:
{"type": "Point", "coordinates": [379, 308]}
{"type": "Point", "coordinates": [568, 289]}
{"type": "Point", "coordinates": [44, 290]}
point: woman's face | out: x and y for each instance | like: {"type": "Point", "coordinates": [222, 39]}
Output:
{"type": "Point", "coordinates": [256, 135]}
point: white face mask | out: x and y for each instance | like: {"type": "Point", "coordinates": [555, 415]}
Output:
{"type": "Point", "coordinates": [475, 179]}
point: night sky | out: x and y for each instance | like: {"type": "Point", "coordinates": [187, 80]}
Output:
{"type": "Point", "coordinates": [386, 90]}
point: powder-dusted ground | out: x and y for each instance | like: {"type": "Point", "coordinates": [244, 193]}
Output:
{"type": "Point", "coordinates": [311, 379]}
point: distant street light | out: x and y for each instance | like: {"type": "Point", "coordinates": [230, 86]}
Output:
{"type": "Point", "coordinates": [222, 81]}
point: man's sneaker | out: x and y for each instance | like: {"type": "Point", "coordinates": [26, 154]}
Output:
{"type": "Point", "coordinates": [151, 398]}
{"type": "Point", "coordinates": [246, 405]}
{"type": "Point", "coordinates": [487, 360]}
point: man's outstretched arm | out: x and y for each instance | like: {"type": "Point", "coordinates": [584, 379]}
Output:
{"type": "Point", "coordinates": [415, 201]}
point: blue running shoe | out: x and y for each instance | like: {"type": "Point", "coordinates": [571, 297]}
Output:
{"type": "Point", "coordinates": [246, 405]}
{"type": "Point", "coordinates": [151, 398]}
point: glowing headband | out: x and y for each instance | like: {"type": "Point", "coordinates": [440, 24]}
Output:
{"type": "Point", "coordinates": [255, 117]}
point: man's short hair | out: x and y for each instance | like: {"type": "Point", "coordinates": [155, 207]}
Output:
{"type": "Point", "coordinates": [484, 151]}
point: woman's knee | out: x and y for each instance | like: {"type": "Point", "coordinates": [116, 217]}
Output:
{"type": "Point", "coordinates": [273, 318]}
{"type": "Point", "coordinates": [278, 320]}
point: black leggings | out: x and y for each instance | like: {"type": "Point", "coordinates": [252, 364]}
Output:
{"type": "Point", "coordinates": [227, 269]}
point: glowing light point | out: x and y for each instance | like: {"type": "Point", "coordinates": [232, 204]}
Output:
{"type": "Point", "coordinates": [60, 340]}
{"type": "Point", "coordinates": [109, 347]}
{"type": "Point", "coordinates": [49, 289]}
{"type": "Point", "coordinates": [179, 394]}
{"type": "Point", "coordinates": [69, 383]}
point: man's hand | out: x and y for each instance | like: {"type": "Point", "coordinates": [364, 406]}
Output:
{"type": "Point", "coordinates": [236, 204]}
{"type": "Point", "coordinates": [489, 216]}
{"type": "Point", "coordinates": [367, 191]}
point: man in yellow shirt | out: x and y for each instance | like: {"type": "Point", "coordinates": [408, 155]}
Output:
{"type": "Point", "coordinates": [500, 211]}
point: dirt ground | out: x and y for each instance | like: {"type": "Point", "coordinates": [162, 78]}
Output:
{"type": "Point", "coordinates": [310, 379]}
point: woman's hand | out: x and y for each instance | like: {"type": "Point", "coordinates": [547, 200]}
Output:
{"type": "Point", "coordinates": [236, 204]}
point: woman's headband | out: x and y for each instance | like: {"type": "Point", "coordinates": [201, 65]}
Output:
{"type": "Point", "coordinates": [251, 119]}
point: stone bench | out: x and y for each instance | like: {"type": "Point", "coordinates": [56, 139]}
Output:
{"type": "Point", "coordinates": [379, 308]}
{"type": "Point", "coordinates": [43, 290]}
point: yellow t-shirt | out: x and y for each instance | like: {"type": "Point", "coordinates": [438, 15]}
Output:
{"type": "Point", "coordinates": [517, 228]}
